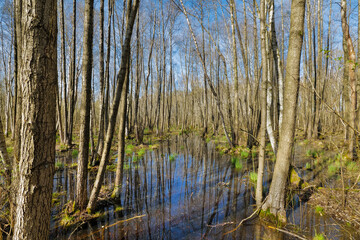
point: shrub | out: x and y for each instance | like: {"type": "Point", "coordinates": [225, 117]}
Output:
{"type": "Point", "coordinates": [253, 177]}
{"type": "Point", "coordinates": [244, 154]}
{"type": "Point", "coordinates": [172, 157]}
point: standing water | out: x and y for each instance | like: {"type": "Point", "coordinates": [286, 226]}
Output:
{"type": "Point", "coordinates": [184, 189]}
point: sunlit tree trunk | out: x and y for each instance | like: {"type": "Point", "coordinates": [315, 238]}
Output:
{"type": "Point", "coordinates": [352, 79]}
{"type": "Point", "coordinates": [276, 198]}
{"type": "Point", "coordinates": [264, 80]}
{"type": "Point", "coordinates": [121, 145]}
{"type": "Point", "coordinates": [132, 10]}
{"type": "Point", "coordinates": [38, 128]}
{"type": "Point", "coordinates": [81, 186]}
{"type": "Point", "coordinates": [63, 72]}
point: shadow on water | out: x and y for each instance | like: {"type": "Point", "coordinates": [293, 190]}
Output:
{"type": "Point", "coordinates": [182, 190]}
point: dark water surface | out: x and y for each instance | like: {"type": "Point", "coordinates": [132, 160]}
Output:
{"type": "Point", "coordinates": [198, 194]}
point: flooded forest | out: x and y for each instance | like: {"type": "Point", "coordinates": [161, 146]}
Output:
{"type": "Point", "coordinates": [179, 119]}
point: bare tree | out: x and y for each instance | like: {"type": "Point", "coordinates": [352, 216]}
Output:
{"type": "Point", "coordinates": [276, 198]}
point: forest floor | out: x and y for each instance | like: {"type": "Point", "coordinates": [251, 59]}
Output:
{"type": "Point", "coordinates": [332, 179]}
{"type": "Point", "coordinates": [323, 164]}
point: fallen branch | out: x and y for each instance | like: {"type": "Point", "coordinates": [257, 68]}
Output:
{"type": "Point", "coordinates": [249, 217]}
{"type": "Point", "coordinates": [287, 232]}
{"type": "Point", "coordinates": [79, 225]}
{"type": "Point", "coordinates": [220, 224]}
{"type": "Point", "coordinates": [118, 222]}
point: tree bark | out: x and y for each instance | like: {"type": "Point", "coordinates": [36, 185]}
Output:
{"type": "Point", "coordinates": [38, 128]}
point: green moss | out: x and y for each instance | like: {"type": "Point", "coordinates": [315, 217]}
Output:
{"type": "Point", "coordinates": [99, 215]}
{"type": "Point", "coordinates": [111, 167]}
{"type": "Point", "coordinates": [308, 166]}
{"type": "Point", "coordinates": [63, 147]}
{"type": "Point", "coordinates": [294, 178]}
{"type": "Point", "coordinates": [10, 150]}
{"type": "Point", "coordinates": [332, 169]}
{"type": "Point", "coordinates": [73, 165]}
{"type": "Point", "coordinates": [352, 167]}
{"type": "Point", "coordinates": [129, 149]}
{"type": "Point", "coordinates": [118, 209]}
{"type": "Point", "coordinates": [319, 210]}
{"type": "Point", "coordinates": [319, 237]}
{"type": "Point", "coordinates": [66, 220]}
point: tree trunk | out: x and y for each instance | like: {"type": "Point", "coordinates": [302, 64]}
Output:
{"type": "Point", "coordinates": [352, 79]}
{"type": "Point", "coordinates": [63, 72]}
{"type": "Point", "coordinates": [262, 102]}
{"type": "Point", "coordinates": [121, 146]}
{"type": "Point", "coordinates": [276, 198]}
{"type": "Point", "coordinates": [235, 74]}
{"type": "Point", "coordinates": [72, 80]}
{"type": "Point", "coordinates": [125, 56]}
{"type": "Point", "coordinates": [37, 158]}
{"type": "Point", "coordinates": [81, 187]}
{"type": "Point", "coordinates": [101, 79]}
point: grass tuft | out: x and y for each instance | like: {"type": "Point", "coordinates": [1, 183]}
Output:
{"type": "Point", "coordinates": [75, 153]}
{"type": "Point", "coordinates": [59, 166]}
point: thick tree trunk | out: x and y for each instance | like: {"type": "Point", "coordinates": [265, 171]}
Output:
{"type": "Point", "coordinates": [81, 187]}
{"type": "Point", "coordinates": [276, 198]}
{"type": "Point", "coordinates": [38, 129]}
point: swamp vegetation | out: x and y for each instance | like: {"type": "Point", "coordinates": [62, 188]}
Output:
{"type": "Point", "coordinates": [179, 119]}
